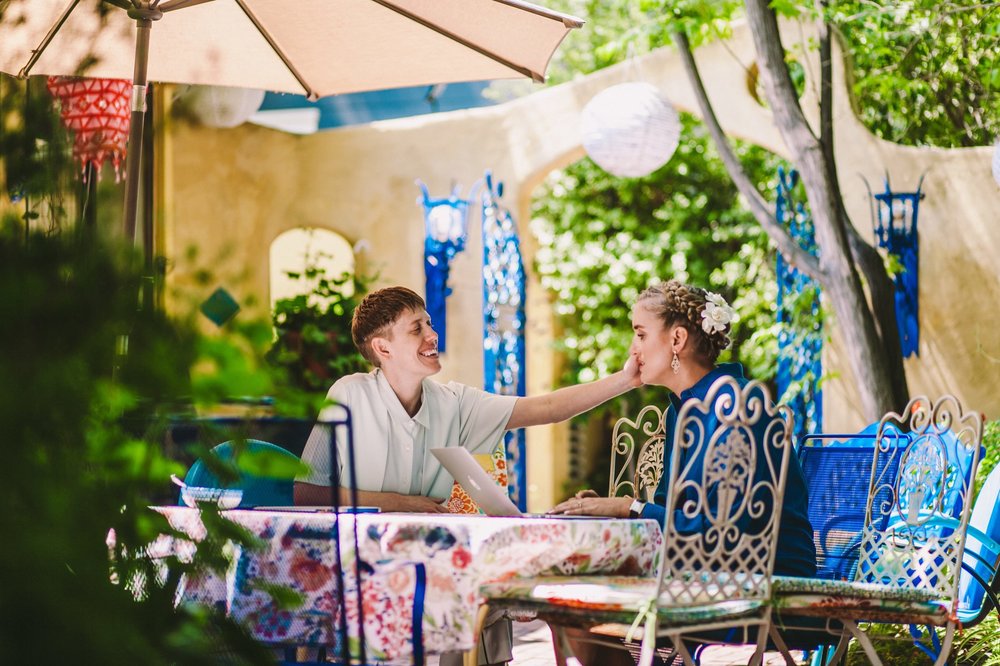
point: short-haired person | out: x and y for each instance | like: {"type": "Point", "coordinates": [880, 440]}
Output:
{"type": "Point", "coordinates": [398, 413]}
{"type": "Point", "coordinates": [676, 343]}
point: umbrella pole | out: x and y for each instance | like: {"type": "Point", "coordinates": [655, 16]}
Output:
{"type": "Point", "coordinates": [133, 156]}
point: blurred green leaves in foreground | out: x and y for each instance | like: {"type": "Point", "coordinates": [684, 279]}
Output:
{"type": "Point", "coordinates": [82, 368]}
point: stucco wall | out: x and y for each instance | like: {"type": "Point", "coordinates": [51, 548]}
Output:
{"type": "Point", "coordinates": [231, 192]}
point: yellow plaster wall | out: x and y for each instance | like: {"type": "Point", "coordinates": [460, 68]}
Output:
{"type": "Point", "coordinates": [231, 192]}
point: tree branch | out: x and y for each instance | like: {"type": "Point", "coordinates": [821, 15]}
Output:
{"type": "Point", "coordinates": [781, 93]}
{"type": "Point", "coordinates": [789, 248]}
{"type": "Point", "coordinates": [813, 159]}
{"type": "Point", "coordinates": [865, 257]}
{"type": "Point", "coordinates": [883, 297]}
{"type": "Point", "coordinates": [826, 91]}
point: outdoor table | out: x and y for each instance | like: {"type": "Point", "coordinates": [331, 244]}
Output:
{"type": "Point", "coordinates": [460, 553]}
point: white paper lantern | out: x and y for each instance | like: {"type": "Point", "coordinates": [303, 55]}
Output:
{"type": "Point", "coordinates": [218, 106]}
{"type": "Point", "coordinates": [996, 162]}
{"type": "Point", "coordinates": [630, 129]}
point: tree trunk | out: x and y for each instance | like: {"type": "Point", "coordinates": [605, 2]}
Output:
{"type": "Point", "coordinates": [839, 245]}
{"type": "Point", "coordinates": [865, 257]}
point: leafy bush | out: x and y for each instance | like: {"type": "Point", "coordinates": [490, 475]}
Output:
{"type": "Point", "coordinates": [991, 456]}
{"type": "Point", "coordinates": [80, 365]}
{"type": "Point", "coordinates": [313, 329]}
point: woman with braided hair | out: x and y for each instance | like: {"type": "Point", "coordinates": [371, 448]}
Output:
{"type": "Point", "coordinates": [679, 332]}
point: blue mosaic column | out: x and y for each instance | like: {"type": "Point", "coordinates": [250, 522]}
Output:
{"type": "Point", "coordinates": [800, 350]}
{"type": "Point", "coordinates": [503, 322]}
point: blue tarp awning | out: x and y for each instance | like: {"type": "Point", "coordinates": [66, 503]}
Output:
{"type": "Point", "coordinates": [295, 113]}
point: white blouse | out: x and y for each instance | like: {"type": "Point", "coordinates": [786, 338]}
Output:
{"type": "Point", "coordinates": [450, 414]}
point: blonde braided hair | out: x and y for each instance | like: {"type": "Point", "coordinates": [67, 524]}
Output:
{"type": "Point", "coordinates": [678, 303]}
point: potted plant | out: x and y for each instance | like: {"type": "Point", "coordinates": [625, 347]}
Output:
{"type": "Point", "coordinates": [313, 329]}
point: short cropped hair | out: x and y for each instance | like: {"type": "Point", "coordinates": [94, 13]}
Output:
{"type": "Point", "coordinates": [376, 314]}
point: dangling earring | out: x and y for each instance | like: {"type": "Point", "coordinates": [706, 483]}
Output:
{"type": "Point", "coordinates": [675, 364]}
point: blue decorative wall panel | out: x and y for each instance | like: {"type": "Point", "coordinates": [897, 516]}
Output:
{"type": "Point", "coordinates": [800, 351]}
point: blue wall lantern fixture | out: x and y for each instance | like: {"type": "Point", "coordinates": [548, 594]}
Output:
{"type": "Point", "coordinates": [504, 321]}
{"type": "Point", "coordinates": [445, 233]}
{"type": "Point", "coordinates": [800, 348]}
{"type": "Point", "coordinates": [894, 219]}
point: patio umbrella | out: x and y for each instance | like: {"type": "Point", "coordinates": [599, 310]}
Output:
{"type": "Point", "coordinates": [310, 47]}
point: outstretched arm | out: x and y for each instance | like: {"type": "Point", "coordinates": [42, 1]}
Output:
{"type": "Point", "coordinates": [572, 400]}
{"type": "Point", "coordinates": [308, 494]}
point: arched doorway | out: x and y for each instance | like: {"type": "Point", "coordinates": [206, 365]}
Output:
{"type": "Point", "coordinates": [295, 250]}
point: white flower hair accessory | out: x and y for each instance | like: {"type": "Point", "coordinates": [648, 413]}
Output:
{"type": "Point", "coordinates": [716, 314]}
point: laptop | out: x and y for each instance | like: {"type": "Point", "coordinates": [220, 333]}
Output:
{"type": "Point", "coordinates": [490, 497]}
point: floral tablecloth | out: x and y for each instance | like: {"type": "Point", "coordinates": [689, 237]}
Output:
{"type": "Point", "coordinates": [449, 557]}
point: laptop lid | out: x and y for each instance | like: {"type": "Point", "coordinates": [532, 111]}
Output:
{"type": "Point", "coordinates": [490, 497]}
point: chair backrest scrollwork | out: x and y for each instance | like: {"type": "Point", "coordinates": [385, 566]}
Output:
{"type": "Point", "coordinates": [936, 471]}
{"type": "Point", "coordinates": [637, 454]}
{"type": "Point", "coordinates": [726, 482]}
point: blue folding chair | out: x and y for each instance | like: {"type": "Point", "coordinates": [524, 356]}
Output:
{"type": "Point", "coordinates": [837, 469]}
{"type": "Point", "coordinates": [271, 485]}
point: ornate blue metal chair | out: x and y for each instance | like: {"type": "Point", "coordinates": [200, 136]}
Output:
{"type": "Point", "coordinates": [837, 469]}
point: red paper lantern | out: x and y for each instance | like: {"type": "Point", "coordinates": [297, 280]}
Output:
{"type": "Point", "coordinates": [98, 113]}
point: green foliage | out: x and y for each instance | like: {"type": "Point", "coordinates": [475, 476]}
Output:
{"type": "Point", "coordinates": [925, 71]}
{"type": "Point", "coordinates": [76, 465]}
{"type": "Point", "coordinates": [313, 329]}
{"type": "Point", "coordinates": [604, 239]}
{"type": "Point", "coordinates": [35, 149]}
{"type": "Point", "coordinates": [616, 30]}
{"type": "Point", "coordinates": [991, 458]}
{"type": "Point", "coordinates": [979, 645]}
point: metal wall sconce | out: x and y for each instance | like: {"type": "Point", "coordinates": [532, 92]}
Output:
{"type": "Point", "coordinates": [894, 219]}
{"type": "Point", "coordinates": [446, 230]}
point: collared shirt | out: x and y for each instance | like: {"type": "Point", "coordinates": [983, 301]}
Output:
{"type": "Point", "coordinates": [391, 447]}
{"type": "Point", "coordinates": [796, 552]}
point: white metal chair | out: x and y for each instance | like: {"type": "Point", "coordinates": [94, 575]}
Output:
{"type": "Point", "coordinates": [727, 472]}
{"type": "Point", "coordinates": [637, 454]}
{"type": "Point", "coordinates": [914, 532]}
